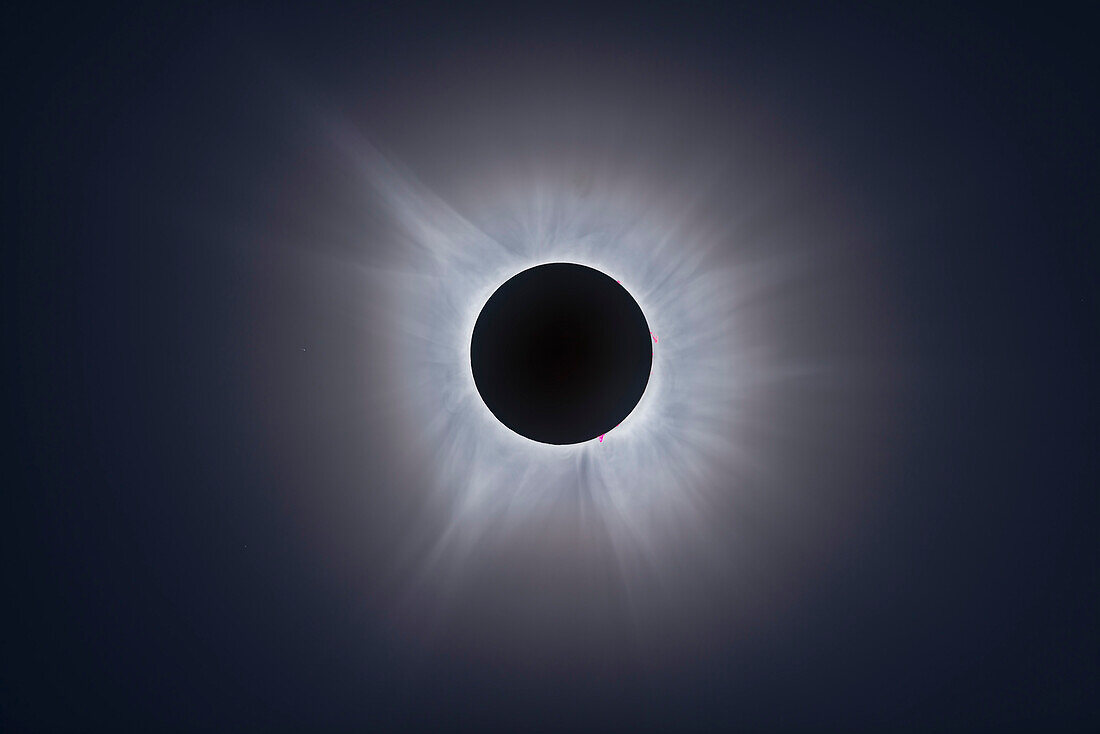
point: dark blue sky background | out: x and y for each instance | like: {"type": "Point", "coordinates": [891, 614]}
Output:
{"type": "Point", "coordinates": [154, 569]}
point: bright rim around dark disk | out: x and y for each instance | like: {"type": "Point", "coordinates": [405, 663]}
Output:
{"type": "Point", "coordinates": [561, 353]}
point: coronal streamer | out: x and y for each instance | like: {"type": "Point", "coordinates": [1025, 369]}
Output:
{"type": "Point", "coordinates": [651, 474]}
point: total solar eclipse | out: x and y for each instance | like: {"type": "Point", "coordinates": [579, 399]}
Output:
{"type": "Point", "coordinates": [561, 353]}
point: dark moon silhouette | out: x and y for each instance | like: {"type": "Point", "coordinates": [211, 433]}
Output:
{"type": "Point", "coordinates": [561, 353]}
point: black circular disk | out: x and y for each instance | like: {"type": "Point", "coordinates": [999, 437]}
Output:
{"type": "Point", "coordinates": [561, 353]}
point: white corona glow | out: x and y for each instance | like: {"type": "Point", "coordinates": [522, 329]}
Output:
{"type": "Point", "coordinates": [654, 477]}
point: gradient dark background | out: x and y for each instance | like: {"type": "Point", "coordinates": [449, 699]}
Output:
{"type": "Point", "coordinates": [155, 572]}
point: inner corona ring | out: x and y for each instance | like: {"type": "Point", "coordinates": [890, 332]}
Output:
{"type": "Point", "coordinates": [561, 353]}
